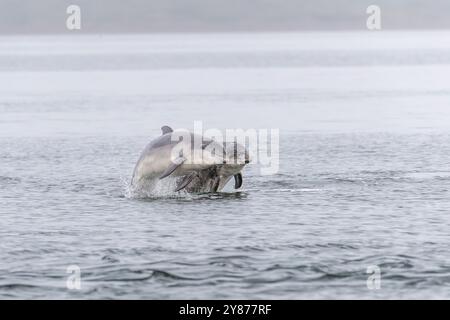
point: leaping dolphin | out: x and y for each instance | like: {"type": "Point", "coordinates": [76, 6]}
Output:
{"type": "Point", "coordinates": [196, 167]}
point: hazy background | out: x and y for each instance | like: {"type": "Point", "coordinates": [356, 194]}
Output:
{"type": "Point", "coordinates": [49, 16]}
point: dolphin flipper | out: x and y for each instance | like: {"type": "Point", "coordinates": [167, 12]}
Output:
{"type": "Point", "coordinates": [166, 129]}
{"type": "Point", "coordinates": [237, 181]}
{"type": "Point", "coordinates": [185, 182]}
{"type": "Point", "coordinates": [206, 143]}
{"type": "Point", "coordinates": [173, 166]}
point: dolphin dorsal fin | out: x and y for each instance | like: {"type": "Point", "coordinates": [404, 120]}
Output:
{"type": "Point", "coordinates": [166, 129]}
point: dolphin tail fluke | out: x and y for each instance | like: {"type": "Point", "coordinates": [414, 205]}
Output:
{"type": "Point", "coordinates": [237, 181]}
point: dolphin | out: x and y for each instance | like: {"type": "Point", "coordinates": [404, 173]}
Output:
{"type": "Point", "coordinates": [174, 154]}
{"type": "Point", "coordinates": [198, 167]}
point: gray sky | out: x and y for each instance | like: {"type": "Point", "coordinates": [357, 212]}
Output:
{"type": "Point", "coordinates": [102, 16]}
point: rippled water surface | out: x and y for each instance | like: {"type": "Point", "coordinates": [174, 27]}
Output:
{"type": "Point", "coordinates": [364, 174]}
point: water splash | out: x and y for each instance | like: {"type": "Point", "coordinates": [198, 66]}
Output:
{"type": "Point", "coordinates": [152, 189]}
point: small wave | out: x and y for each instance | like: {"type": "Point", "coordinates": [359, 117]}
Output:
{"type": "Point", "coordinates": [161, 274]}
{"type": "Point", "coordinates": [297, 189]}
{"type": "Point", "coordinates": [327, 276]}
{"type": "Point", "coordinates": [13, 286]}
{"type": "Point", "coordinates": [110, 259]}
{"type": "Point", "coordinates": [126, 274]}
{"type": "Point", "coordinates": [9, 180]}
{"type": "Point", "coordinates": [123, 278]}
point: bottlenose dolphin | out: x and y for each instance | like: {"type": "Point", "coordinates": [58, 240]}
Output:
{"type": "Point", "coordinates": [199, 167]}
{"type": "Point", "coordinates": [174, 154]}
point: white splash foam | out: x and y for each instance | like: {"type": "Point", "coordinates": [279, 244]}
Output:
{"type": "Point", "coordinates": [152, 189]}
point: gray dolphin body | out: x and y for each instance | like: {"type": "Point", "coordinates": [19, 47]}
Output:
{"type": "Point", "coordinates": [196, 169]}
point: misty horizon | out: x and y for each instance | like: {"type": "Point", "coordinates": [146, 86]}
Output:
{"type": "Point", "coordinates": [156, 16]}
